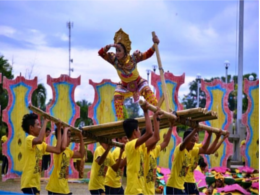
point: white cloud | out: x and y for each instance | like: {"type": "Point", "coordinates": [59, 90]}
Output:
{"type": "Point", "coordinates": [7, 31]}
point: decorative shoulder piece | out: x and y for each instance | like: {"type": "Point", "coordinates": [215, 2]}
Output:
{"type": "Point", "coordinates": [122, 37]}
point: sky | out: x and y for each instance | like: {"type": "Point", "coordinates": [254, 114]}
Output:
{"type": "Point", "coordinates": [196, 37]}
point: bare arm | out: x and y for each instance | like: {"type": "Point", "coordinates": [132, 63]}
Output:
{"type": "Point", "coordinates": [101, 159]}
{"type": "Point", "coordinates": [117, 165]}
{"type": "Point", "coordinates": [56, 149]}
{"type": "Point", "coordinates": [204, 148]}
{"type": "Point", "coordinates": [213, 145]}
{"type": "Point", "coordinates": [122, 163]}
{"type": "Point", "coordinates": [187, 139]}
{"type": "Point", "coordinates": [40, 137]}
{"type": "Point", "coordinates": [156, 137]}
{"type": "Point", "coordinates": [167, 138]}
{"type": "Point", "coordinates": [148, 133]}
{"type": "Point", "coordinates": [219, 144]}
{"type": "Point", "coordinates": [81, 152]}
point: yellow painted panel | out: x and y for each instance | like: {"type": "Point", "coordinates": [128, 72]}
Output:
{"type": "Point", "coordinates": [253, 150]}
{"type": "Point", "coordinates": [19, 109]}
{"type": "Point", "coordinates": [105, 111]}
{"type": "Point", "coordinates": [63, 108]}
{"type": "Point", "coordinates": [217, 96]}
{"type": "Point", "coordinates": [170, 88]}
{"type": "Point", "coordinates": [165, 155]}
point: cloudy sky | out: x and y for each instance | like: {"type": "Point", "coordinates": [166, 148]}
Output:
{"type": "Point", "coordinates": [195, 37]}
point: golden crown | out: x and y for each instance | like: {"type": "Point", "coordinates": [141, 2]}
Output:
{"type": "Point", "coordinates": [122, 37]}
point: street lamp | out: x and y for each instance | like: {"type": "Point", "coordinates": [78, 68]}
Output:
{"type": "Point", "coordinates": [226, 66]}
{"type": "Point", "coordinates": [198, 89]}
{"type": "Point", "coordinates": [148, 72]}
{"type": "Point", "coordinates": [154, 67]}
{"type": "Point", "coordinates": [251, 78]}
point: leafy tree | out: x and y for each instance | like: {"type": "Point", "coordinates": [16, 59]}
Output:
{"type": "Point", "coordinates": [132, 108]}
{"type": "Point", "coordinates": [84, 120]}
{"type": "Point", "coordinates": [39, 97]}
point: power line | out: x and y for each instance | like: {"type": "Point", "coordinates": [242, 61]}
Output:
{"type": "Point", "coordinates": [70, 25]}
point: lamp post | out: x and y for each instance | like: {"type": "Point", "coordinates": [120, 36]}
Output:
{"type": "Point", "coordinates": [198, 89]}
{"type": "Point", "coordinates": [154, 67]}
{"type": "Point", "coordinates": [251, 78]}
{"type": "Point", "coordinates": [226, 66]}
{"type": "Point", "coordinates": [148, 72]}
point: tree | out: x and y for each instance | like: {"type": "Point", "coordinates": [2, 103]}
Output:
{"type": "Point", "coordinates": [39, 97]}
{"type": "Point", "coordinates": [84, 120]}
{"type": "Point", "coordinates": [132, 108]}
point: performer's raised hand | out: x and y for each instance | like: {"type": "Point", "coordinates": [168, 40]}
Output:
{"type": "Point", "coordinates": [155, 39]}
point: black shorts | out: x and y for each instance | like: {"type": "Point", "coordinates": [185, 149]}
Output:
{"type": "Point", "coordinates": [171, 190]}
{"type": "Point", "coordinates": [31, 191]}
{"type": "Point", "coordinates": [110, 190]}
{"type": "Point", "coordinates": [53, 193]}
{"type": "Point", "coordinates": [96, 192]}
{"type": "Point", "coordinates": [191, 188]}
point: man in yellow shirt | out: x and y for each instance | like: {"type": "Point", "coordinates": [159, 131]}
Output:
{"type": "Point", "coordinates": [152, 154]}
{"type": "Point", "coordinates": [113, 183]}
{"type": "Point", "coordinates": [33, 151]}
{"type": "Point", "coordinates": [58, 182]}
{"type": "Point", "coordinates": [101, 161]}
{"type": "Point", "coordinates": [5, 160]}
{"type": "Point", "coordinates": [181, 163]}
{"type": "Point", "coordinates": [134, 150]}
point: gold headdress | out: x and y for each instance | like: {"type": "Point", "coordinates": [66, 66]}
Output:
{"type": "Point", "coordinates": [122, 37]}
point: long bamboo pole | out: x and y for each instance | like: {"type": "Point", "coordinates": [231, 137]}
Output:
{"type": "Point", "coordinates": [74, 129]}
{"type": "Point", "coordinates": [184, 120]}
{"type": "Point", "coordinates": [164, 87]}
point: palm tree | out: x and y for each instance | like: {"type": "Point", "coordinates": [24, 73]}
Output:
{"type": "Point", "coordinates": [39, 97]}
{"type": "Point", "coordinates": [83, 120]}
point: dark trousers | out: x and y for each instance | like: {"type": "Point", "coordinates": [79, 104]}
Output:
{"type": "Point", "coordinates": [97, 192]}
{"type": "Point", "coordinates": [170, 190]}
{"type": "Point", "coordinates": [110, 190]}
{"type": "Point", "coordinates": [46, 160]}
{"type": "Point", "coordinates": [191, 188]}
{"type": "Point", "coordinates": [31, 191]}
{"type": "Point", "coordinates": [4, 165]}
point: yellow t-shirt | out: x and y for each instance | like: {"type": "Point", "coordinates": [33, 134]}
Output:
{"type": "Point", "coordinates": [98, 172]}
{"type": "Point", "coordinates": [150, 170]}
{"type": "Point", "coordinates": [135, 168]}
{"type": "Point", "coordinates": [58, 182]}
{"type": "Point", "coordinates": [113, 179]}
{"type": "Point", "coordinates": [32, 163]}
{"type": "Point", "coordinates": [3, 138]}
{"type": "Point", "coordinates": [179, 168]}
{"type": "Point", "coordinates": [198, 145]}
{"type": "Point", "coordinates": [194, 156]}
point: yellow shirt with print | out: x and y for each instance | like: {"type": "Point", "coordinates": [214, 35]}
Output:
{"type": "Point", "coordinates": [98, 172]}
{"type": "Point", "coordinates": [194, 156]}
{"type": "Point", "coordinates": [135, 168]}
{"type": "Point", "coordinates": [58, 182]}
{"type": "Point", "coordinates": [150, 170]}
{"type": "Point", "coordinates": [32, 163]}
{"type": "Point", "coordinates": [113, 179]}
{"type": "Point", "coordinates": [179, 168]}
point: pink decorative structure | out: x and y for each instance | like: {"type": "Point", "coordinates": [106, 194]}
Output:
{"type": "Point", "coordinates": [217, 93]}
{"type": "Point", "coordinates": [19, 95]}
{"type": "Point", "coordinates": [63, 106]}
{"type": "Point", "coordinates": [251, 120]}
{"type": "Point", "coordinates": [102, 110]}
{"type": "Point", "coordinates": [173, 84]}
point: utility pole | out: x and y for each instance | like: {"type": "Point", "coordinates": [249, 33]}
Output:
{"type": "Point", "coordinates": [70, 25]}
{"type": "Point", "coordinates": [239, 128]}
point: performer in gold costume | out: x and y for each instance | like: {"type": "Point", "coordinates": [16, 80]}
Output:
{"type": "Point", "coordinates": [132, 84]}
